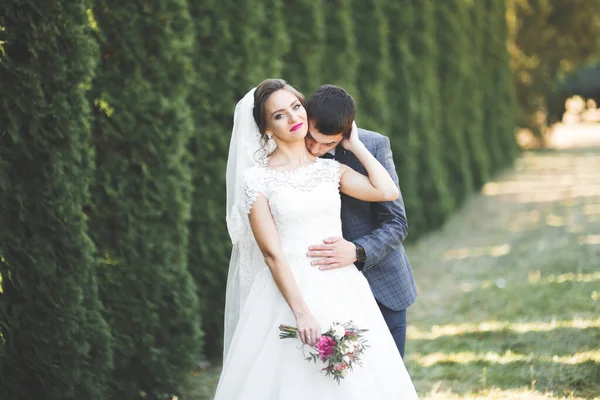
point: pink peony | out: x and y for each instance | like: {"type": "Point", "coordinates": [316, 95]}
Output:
{"type": "Point", "coordinates": [326, 346]}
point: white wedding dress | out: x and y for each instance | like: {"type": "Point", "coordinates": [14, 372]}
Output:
{"type": "Point", "coordinates": [305, 204]}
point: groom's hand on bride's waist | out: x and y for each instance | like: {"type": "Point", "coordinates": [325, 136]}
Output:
{"type": "Point", "coordinates": [335, 252]}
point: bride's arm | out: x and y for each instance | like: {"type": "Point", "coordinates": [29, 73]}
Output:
{"type": "Point", "coordinates": [267, 238]}
{"type": "Point", "coordinates": [378, 186]}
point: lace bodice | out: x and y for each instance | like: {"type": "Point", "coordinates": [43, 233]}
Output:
{"type": "Point", "coordinates": [305, 203]}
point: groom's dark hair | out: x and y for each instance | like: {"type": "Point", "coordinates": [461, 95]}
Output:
{"type": "Point", "coordinates": [332, 109]}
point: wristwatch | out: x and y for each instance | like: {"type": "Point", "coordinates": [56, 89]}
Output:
{"type": "Point", "coordinates": [361, 256]}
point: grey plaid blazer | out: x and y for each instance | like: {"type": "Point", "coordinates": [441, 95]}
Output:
{"type": "Point", "coordinates": [380, 228]}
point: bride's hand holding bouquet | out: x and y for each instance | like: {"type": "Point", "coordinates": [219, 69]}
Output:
{"type": "Point", "coordinates": [339, 348]}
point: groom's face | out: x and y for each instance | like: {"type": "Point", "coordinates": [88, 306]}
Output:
{"type": "Point", "coordinates": [318, 143]}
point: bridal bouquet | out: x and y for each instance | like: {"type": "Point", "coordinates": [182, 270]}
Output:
{"type": "Point", "coordinates": [339, 348]}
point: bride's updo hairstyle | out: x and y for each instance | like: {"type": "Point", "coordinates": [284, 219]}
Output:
{"type": "Point", "coordinates": [262, 93]}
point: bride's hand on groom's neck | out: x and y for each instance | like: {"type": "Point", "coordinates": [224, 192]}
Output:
{"type": "Point", "coordinates": [352, 142]}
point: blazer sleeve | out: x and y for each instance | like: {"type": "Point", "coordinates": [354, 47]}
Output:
{"type": "Point", "coordinates": [390, 215]}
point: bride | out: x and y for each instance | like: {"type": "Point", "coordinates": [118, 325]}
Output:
{"type": "Point", "coordinates": [280, 200]}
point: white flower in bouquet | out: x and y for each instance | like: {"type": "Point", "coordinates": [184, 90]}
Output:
{"type": "Point", "coordinates": [347, 347]}
{"type": "Point", "coordinates": [338, 332]}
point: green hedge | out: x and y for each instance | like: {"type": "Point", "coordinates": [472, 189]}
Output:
{"type": "Point", "coordinates": [142, 193]}
{"type": "Point", "coordinates": [305, 24]}
{"type": "Point", "coordinates": [404, 137]}
{"type": "Point", "coordinates": [500, 103]}
{"type": "Point", "coordinates": [479, 155]}
{"type": "Point", "coordinates": [56, 344]}
{"type": "Point", "coordinates": [490, 60]}
{"type": "Point", "coordinates": [340, 65]}
{"type": "Point", "coordinates": [279, 42]}
{"type": "Point", "coordinates": [225, 78]}
{"type": "Point", "coordinates": [434, 193]}
{"type": "Point", "coordinates": [453, 69]}
{"type": "Point", "coordinates": [374, 69]}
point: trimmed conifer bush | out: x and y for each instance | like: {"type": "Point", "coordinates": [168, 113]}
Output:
{"type": "Point", "coordinates": [374, 69]}
{"type": "Point", "coordinates": [224, 77]}
{"type": "Point", "coordinates": [479, 158]}
{"type": "Point", "coordinates": [491, 64]}
{"type": "Point", "coordinates": [434, 193]}
{"type": "Point", "coordinates": [305, 24]}
{"type": "Point", "coordinates": [340, 64]}
{"type": "Point", "coordinates": [55, 343]}
{"type": "Point", "coordinates": [453, 59]}
{"type": "Point", "coordinates": [274, 40]}
{"type": "Point", "coordinates": [142, 193]}
{"type": "Point", "coordinates": [402, 97]}
{"type": "Point", "coordinates": [501, 101]}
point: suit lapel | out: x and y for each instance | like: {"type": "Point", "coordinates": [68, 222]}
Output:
{"type": "Point", "coordinates": [341, 154]}
{"type": "Point", "coordinates": [347, 158]}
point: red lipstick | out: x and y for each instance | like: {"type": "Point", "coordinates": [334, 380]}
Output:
{"type": "Point", "coordinates": [296, 127]}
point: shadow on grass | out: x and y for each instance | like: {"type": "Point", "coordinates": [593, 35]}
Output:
{"type": "Point", "coordinates": [560, 301]}
{"type": "Point", "coordinates": [581, 379]}
{"type": "Point", "coordinates": [563, 360]}
{"type": "Point", "coordinates": [560, 341]}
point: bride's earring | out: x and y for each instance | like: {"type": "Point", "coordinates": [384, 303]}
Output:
{"type": "Point", "coordinates": [271, 144]}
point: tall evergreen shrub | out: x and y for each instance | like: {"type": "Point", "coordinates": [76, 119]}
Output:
{"type": "Point", "coordinates": [142, 193]}
{"type": "Point", "coordinates": [402, 96]}
{"type": "Point", "coordinates": [479, 158]}
{"type": "Point", "coordinates": [453, 69]}
{"type": "Point", "coordinates": [374, 69]}
{"type": "Point", "coordinates": [305, 23]}
{"type": "Point", "coordinates": [228, 66]}
{"type": "Point", "coordinates": [56, 345]}
{"type": "Point", "coordinates": [433, 189]}
{"type": "Point", "coordinates": [491, 62]}
{"type": "Point", "coordinates": [503, 101]}
{"type": "Point", "coordinates": [340, 64]}
{"type": "Point", "coordinates": [274, 40]}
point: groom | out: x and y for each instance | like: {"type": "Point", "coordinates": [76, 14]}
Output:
{"type": "Point", "coordinates": [373, 232]}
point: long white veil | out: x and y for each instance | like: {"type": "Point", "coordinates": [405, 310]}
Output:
{"type": "Point", "coordinates": [245, 151]}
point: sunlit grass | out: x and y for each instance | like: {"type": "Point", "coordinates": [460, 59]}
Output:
{"type": "Point", "coordinates": [437, 331]}
{"type": "Point", "coordinates": [496, 394]}
{"type": "Point", "coordinates": [591, 209]}
{"type": "Point", "coordinates": [545, 178]}
{"type": "Point", "coordinates": [590, 240]}
{"type": "Point", "coordinates": [505, 358]}
{"type": "Point", "coordinates": [536, 277]}
{"type": "Point", "coordinates": [492, 251]}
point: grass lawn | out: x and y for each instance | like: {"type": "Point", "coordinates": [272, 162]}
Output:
{"type": "Point", "coordinates": [509, 289]}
